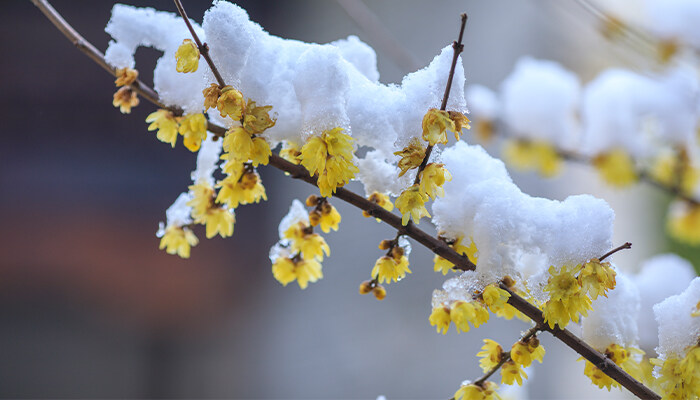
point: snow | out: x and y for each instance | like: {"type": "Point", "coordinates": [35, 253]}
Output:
{"type": "Point", "coordinates": [540, 100]}
{"type": "Point", "coordinates": [678, 330]}
{"type": "Point", "coordinates": [508, 226]}
{"type": "Point", "coordinates": [614, 318]}
{"type": "Point", "coordinates": [483, 102]}
{"type": "Point", "coordinates": [659, 277]}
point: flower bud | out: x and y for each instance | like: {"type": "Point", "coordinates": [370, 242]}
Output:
{"type": "Point", "coordinates": [365, 287]}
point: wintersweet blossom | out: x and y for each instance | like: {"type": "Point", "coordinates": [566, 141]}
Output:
{"type": "Point", "coordinates": [470, 391]}
{"type": "Point", "coordinates": [231, 103]}
{"type": "Point", "coordinates": [529, 155]}
{"type": "Point", "coordinates": [494, 297]}
{"type": "Point", "coordinates": [463, 313]}
{"type": "Point", "coordinates": [330, 155]}
{"type": "Point", "coordinates": [440, 318]}
{"type": "Point", "coordinates": [126, 76]}
{"type": "Point", "coordinates": [411, 203]}
{"type": "Point", "coordinates": [187, 57]}
{"type": "Point", "coordinates": [166, 124]}
{"type": "Point", "coordinates": [511, 373]}
{"type": "Point", "coordinates": [178, 240]}
{"type": "Point", "coordinates": [380, 199]}
{"type": "Point", "coordinates": [411, 156]}
{"type": "Point", "coordinates": [616, 167]}
{"type": "Point", "coordinates": [220, 221]}
{"type": "Point", "coordinates": [243, 186]}
{"type": "Point", "coordinates": [194, 129]}
{"type": "Point", "coordinates": [287, 270]}
{"type": "Point", "coordinates": [524, 353]}
{"type": "Point", "coordinates": [125, 99]}
{"type": "Point", "coordinates": [211, 96]}
{"type": "Point", "coordinates": [388, 269]}
{"type": "Point", "coordinates": [310, 245]}
{"type": "Point", "coordinates": [490, 355]}
{"type": "Point", "coordinates": [627, 358]}
{"type": "Point", "coordinates": [432, 178]}
{"type": "Point", "coordinates": [684, 222]}
{"type": "Point", "coordinates": [257, 118]}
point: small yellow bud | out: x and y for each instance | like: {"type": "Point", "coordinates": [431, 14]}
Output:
{"type": "Point", "coordinates": [311, 201]}
{"type": "Point", "coordinates": [397, 253]}
{"type": "Point", "coordinates": [365, 287]}
{"type": "Point", "coordinates": [379, 292]}
{"type": "Point", "coordinates": [187, 57]}
{"type": "Point", "coordinates": [385, 244]}
{"type": "Point", "coordinates": [314, 217]}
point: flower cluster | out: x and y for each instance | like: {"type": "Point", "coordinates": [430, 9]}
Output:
{"type": "Point", "coordinates": [570, 295]}
{"type": "Point", "coordinates": [431, 178]}
{"type": "Point", "coordinates": [192, 127]}
{"type": "Point", "coordinates": [627, 358]}
{"type": "Point", "coordinates": [125, 97]}
{"type": "Point", "coordinates": [178, 240]}
{"type": "Point", "coordinates": [323, 214]}
{"type": "Point", "coordinates": [330, 155]}
{"type": "Point", "coordinates": [475, 312]}
{"type": "Point", "coordinates": [393, 266]}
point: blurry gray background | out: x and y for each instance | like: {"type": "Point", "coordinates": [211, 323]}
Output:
{"type": "Point", "coordinates": [89, 307]}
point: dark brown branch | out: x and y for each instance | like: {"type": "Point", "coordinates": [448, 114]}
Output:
{"type": "Point", "coordinates": [433, 244]}
{"type": "Point", "coordinates": [203, 48]}
{"type": "Point", "coordinates": [506, 356]}
{"type": "Point", "coordinates": [627, 245]}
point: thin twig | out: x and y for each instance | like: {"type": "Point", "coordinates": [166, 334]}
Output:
{"type": "Point", "coordinates": [433, 244]}
{"type": "Point", "coordinates": [627, 245]}
{"type": "Point", "coordinates": [203, 48]}
{"type": "Point", "coordinates": [457, 47]}
{"type": "Point", "coordinates": [506, 356]}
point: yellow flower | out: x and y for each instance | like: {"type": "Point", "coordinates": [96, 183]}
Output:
{"type": "Point", "coordinates": [310, 245]}
{"type": "Point", "coordinates": [283, 270]}
{"type": "Point", "coordinates": [616, 167]}
{"type": "Point", "coordinates": [562, 285]}
{"type": "Point", "coordinates": [567, 299]}
{"type": "Point", "coordinates": [494, 297]}
{"type": "Point", "coordinates": [178, 240]}
{"type": "Point", "coordinates": [287, 270]}
{"type": "Point", "coordinates": [330, 217]}
{"type": "Point", "coordinates": [524, 353]}
{"type": "Point", "coordinates": [508, 312]}
{"type": "Point", "coordinates": [125, 99]}
{"type": "Point", "coordinates": [257, 119]}
{"type": "Point", "coordinates": [291, 152]}
{"type": "Point", "coordinates": [598, 377]}
{"type": "Point", "coordinates": [230, 103]}
{"type": "Point", "coordinates": [380, 199]}
{"type": "Point", "coordinates": [435, 124]}
{"type": "Point", "coordinates": [411, 156]}
{"type": "Point", "coordinates": [684, 222]}
{"type": "Point", "coordinates": [167, 125]}
{"type": "Point", "coordinates": [411, 203]}
{"type": "Point", "coordinates": [527, 155]}
{"type": "Point", "coordinates": [511, 372]}
{"type": "Point", "coordinates": [202, 200]}
{"type": "Point", "coordinates": [461, 122]}
{"type": "Point", "coordinates": [440, 318]}
{"type": "Point", "coordinates": [243, 188]}
{"type": "Point", "coordinates": [487, 391]}
{"type": "Point", "coordinates": [194, 128]}
{"type": "Point", "coordinates": [485, 129]}
{"type": "Point", "coordinates": [462, 313]}
{"type": "Point", "coordinates": [696, 313]}
{"type": "Point", "coordinates": [126, 76]}
{"type": "Point", "coordinates": [211, 96]}
{"type": "Point", "coordinates": [187, 57]}
{"type": "Point", "coordinates": [260, 153]}
{"type": "Point", "coordinates": [491, 355]}
{"type": "Point", "coordinates": [596, 278]}
{"type": "Point", "coordinates": [675, 170]}
{"type": "Point", "coordinates": [219, 220]}
{"type": "Point", "coordinates": [432, 178]}
{"type": "Point", "coordinates": [308, 271]}
{"type": "Point", "coordinates": [330, 156]}
{"type": "Point", "coordinates": [238, 144]}
{"type": "Point", "coordinates": [445, 266]}
{"type": "Point", "coordinates": [388, 269]}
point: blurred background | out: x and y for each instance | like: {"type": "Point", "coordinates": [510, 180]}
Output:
{"type": "Point", "coordinates": [89, 307]}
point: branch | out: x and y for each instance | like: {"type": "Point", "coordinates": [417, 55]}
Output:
{"type": "Point", "coordinates": [458, 47]}
{"type": "Point", "coordinates": [203, 48]}
{"type": "Point", "coordinates": [627, 245]}
{"type": "Point", "coordinates": [433, 244]}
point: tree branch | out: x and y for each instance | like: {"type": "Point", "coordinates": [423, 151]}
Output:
{"type": "Point", "coordinates": [627, 245]}
{"type": "Point", "coordinates": [433, 244]}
